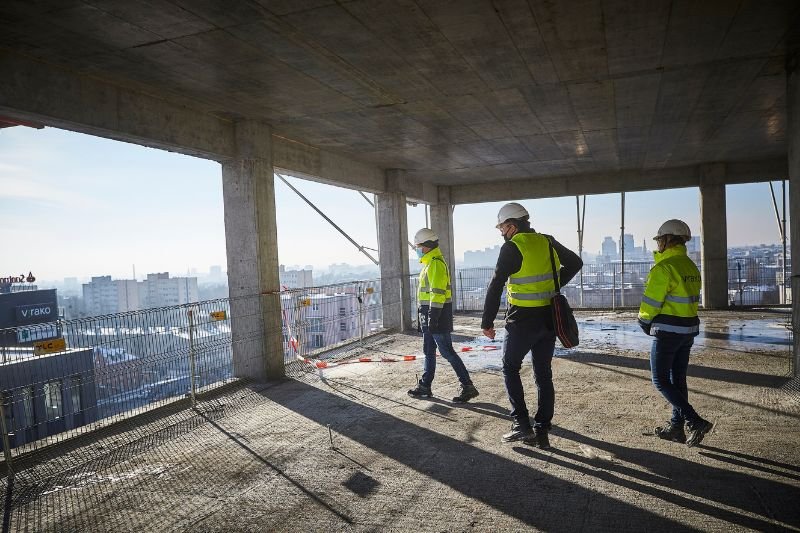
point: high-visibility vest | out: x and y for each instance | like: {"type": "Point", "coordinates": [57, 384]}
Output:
{"type": "Point", "coordinates": [532, 285]}
{"type": "Point", "coordinates": [672, 294]}
{"type": "Point", "coordinates": [434, 280]}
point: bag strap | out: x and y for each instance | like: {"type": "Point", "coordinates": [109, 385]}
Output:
{"type": "Point", "coordinates": [553, 266]}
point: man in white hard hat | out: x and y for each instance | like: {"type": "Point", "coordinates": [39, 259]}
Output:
{"type": "Point", "coordinates": [436, 318]}
{"type": "Point", "coordinates": [669, 313]}
{"type": "Point", "coordinates": [524, 261]}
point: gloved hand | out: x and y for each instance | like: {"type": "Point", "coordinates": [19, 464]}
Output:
{"type": "Point", "coordinates": [645, 327]}
{"type": "Point", "coordinates": [433, 320]}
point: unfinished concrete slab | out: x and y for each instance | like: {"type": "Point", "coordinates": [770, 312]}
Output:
{"type": "Point", "coordinates": [345, 448]}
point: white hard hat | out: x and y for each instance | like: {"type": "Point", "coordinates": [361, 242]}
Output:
{"type": "Point", "coordinates": [675, 227]}
{"type": "Point", "coordinates": [509, 211]}
{"type": "Point", "coordinates": [425, 235]}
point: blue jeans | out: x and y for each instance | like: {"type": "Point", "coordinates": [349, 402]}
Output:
{"type": "Point", "coordinates": [669, 361]}
{"type": "Point", "coordinates": [540, 341]}
{"type": "Point", "coordinates": [445, 343]}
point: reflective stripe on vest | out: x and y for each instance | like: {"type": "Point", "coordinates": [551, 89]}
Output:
{"type": "Point", "coordinates": [681, 299]}
{"type": "Point", "coordinates": [654, 303]}
{"type": "Point", "coordinates": [670, 328]}
{"type": "Point", "coordinates": [532, 279]}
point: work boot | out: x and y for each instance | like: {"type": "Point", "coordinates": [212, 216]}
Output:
{"type": "Point", "coordinates": [671, 432]}
{"type": "Point", "coordinates": [420, 391]}
{"type": "Point", "coordinates": [518, 432]}
{"type": "Point", "coordinates": [697, 431]}
{"type": "Point", "coordinates": [468, 392]}
{"type": "Point", "coordinates": [538, 439]}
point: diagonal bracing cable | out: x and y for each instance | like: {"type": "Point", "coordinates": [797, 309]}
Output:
{"type": "Point", "coordinates": [331, 222]}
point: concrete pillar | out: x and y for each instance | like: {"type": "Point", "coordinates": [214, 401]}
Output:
{"type": "Point", "coordinates": [251, 237]}
{"type": "Point", "coordinates": [714, 235]}
{"type": "Point", "coordinates": [393, 248]}
{"type": "Point", "coordinates": [793, 145]}
{"type": "Point", "coordinates": [442, 224]}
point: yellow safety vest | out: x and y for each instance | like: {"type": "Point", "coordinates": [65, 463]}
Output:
{"type": "Point", "coordinates": [434, 280]}
{"type": "Point", "coordinates": [672, 294]}
{"type": "Point", "coordinates": [532, 285]}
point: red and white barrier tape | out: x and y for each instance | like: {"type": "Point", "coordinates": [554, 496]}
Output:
{"type": "Point", "coordinates": [317, 363]}
{"type": "Point", "coordinates": [484, 348]}
{"type": "Point", "coordinates": [326, 364]}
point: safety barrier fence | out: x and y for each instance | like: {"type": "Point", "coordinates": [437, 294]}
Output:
{"type": "Point", "coordinates": [751, 282]}
{"type": "Point", "coordinates": [61, 379]}
{"type": "Point", "coordinates": [597, 285]}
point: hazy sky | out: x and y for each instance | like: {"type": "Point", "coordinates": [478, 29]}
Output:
{"type": "Point", "coordinates": [76, 205]}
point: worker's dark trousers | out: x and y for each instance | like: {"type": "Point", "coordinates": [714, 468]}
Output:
{"type": "Point", "coordinates": [430, 341]}
{"type": "Point", "coordinates": [669, 361]}
{"type": "Point", "coordinates": [520, 339]}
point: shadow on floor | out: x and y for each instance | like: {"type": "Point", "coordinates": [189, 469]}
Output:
{"type": "Point", "coordinates": [527, 493]}
{"type": "Point", "coordinates": [705, 372]}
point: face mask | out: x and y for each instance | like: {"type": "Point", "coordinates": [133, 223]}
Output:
{"type": "Point", "coordinates": [419, 251]}
{"type": "Point", "coordinates": [506, 236]}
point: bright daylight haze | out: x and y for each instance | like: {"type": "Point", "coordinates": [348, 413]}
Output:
{"type": "Point", "coordinates": [73, 205]}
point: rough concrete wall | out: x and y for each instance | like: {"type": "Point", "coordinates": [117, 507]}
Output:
{"type": "Point", "coordinates": [793, 146]}
{"type": "Point", "coordinates": [442, 224]}
{"type": "Point", "coordinates": [392, 238]}
{"type": "Point", "coordinates": [252, 250]}
{"type": "Point", "coordinates": [714, 231]}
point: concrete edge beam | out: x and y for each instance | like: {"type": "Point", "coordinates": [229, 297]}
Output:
{"type": "Point", "coordinates": [304, 161]}
{"type": "Point", "coordinates": [39, 92]}
{"type": "Point", "coordinates": [613, 182]}
{"type": "Point", "coordinates": [36, 91]}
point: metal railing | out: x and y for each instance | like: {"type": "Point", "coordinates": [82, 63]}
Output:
{"type": "Point", "coordinates": [65, 378]}
{"type": "Point", "coordinates": [752, 282]}
{"type": "Point", "coordinates": [601, 285]}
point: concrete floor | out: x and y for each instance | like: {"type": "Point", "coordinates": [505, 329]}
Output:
{"type": "Point", "coordinates": [257, 458]}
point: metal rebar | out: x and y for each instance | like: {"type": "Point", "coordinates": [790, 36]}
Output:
{"type": "Point", "coordinates": [330, 436]}
{"type": "Point", "coordinates": [783, 238]}
{"type": "Point", "coordinates": [192, 393]}
{"type": "Point", "coordinates": [360, 293]}
{"type": "Point", "coordinates": [581, 227]}
{"type": "Point", "coordinates": [6, 439]}
{"type": "Point", "coordinates": [622, 253]}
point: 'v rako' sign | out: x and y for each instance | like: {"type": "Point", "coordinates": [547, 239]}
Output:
{"type": "Point", "coordinates": [37, 313]}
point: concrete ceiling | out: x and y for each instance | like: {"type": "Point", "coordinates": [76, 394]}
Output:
{"type": "Point", "coordinates": [457, 92]}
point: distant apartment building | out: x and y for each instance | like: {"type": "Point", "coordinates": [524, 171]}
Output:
{"type": "Point", "coordinates": [102, 295]}
{"type": "Point", "coordinates": [627, 243]}
{"type": "Point", "coordinates": [608, 249]}
{"type": "Point", "coordinates": [482, 258]}
{"type": "Point", "coordinates": [296, 279]}
{"type": "Point", "coordinates": [216, 275]}
{"type": "Point", "coordinates": [160, 290]}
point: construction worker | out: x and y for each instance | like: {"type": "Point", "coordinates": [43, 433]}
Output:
{"type": "Point", "coordinates": [436, 317]}
{"type": "Point", "coordinates": [669, 313]}
{"type": "Point", "coordinates": [524, 261]}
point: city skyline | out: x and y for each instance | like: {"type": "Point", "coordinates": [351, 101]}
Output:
{"type": "Point", "coordinates": [81, 206]}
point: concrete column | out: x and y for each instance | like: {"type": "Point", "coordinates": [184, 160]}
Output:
{"type": "Point", "coordinates": [442, 224]}
{"type": "Point", "coordinates": [714, 235]}
{"type": "Point", "coordinates": [251, 237]}
{"type": "Point", "coordinates": [393, 249]}
{"type": "Point", "coordinates": [793, 145]}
